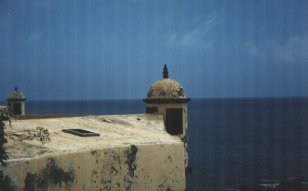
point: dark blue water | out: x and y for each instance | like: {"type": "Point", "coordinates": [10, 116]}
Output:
{"type": "Point", "coordinates": [85, 107]}
{"type": "Point", "coordinates": [231, 141]}
{"type": "Point", "coordinates": [244, 141]}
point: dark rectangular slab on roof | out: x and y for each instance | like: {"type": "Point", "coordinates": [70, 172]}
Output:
{"type": "Point", "coordinates": [81, 132]}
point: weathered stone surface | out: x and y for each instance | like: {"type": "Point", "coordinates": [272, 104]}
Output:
{"type": "Point", "coordinates": [133, 152]}
{"type": "Point", "coordinates": [16, 94]}
{"type": "Point", "coordinates": [162, 108]}
{"type": "Point", "coordinates": [166, 88]}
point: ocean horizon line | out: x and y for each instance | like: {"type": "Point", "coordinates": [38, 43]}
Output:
{"type": "Point", "coordinates": [194, 98]}
{"type": "Point", "coordinates": [141, 99]}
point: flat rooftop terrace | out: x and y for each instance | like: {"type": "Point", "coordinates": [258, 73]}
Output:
{"type": "Point", "coordinates": [133, 152]}
{"type": "Point", "coordinates": [114, 131]}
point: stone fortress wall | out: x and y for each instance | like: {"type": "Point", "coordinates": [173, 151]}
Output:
{"type": "Point", "coordinates": [132, 152]}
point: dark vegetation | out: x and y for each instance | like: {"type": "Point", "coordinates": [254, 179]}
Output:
{"type": "Point", "coordinates": [41, 135]}
{"type": "Point", "coordinates": [5, 181]}
{"type": "Point", "coordinates": [3, 155]}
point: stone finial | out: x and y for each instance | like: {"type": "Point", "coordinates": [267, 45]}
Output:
{"type": "Point", "coordinates": [165, 72]}
{"type": "Point", "coordinates": [16, 88]}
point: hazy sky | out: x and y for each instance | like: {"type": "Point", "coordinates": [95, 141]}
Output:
{"type": "Point", "coordinates": [115, 49]}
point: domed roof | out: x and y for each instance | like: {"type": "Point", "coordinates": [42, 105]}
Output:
{"type": "Point", "coordinates": [16, 94]}
{"type": "Point", "coordinates": [166, 88]}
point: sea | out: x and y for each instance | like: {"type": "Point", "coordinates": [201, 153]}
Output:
{"type": "Point", "coordinates": [232, 142]}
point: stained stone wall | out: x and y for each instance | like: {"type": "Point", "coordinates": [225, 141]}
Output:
{"type": "Point", "coordinates": [161, 109]}
{"type": "Point", "coordinates": [133, 152]}
{"type": "Point", "coordinates": [135, 167]}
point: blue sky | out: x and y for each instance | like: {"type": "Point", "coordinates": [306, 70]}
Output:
{"type": "Point", "coordinates": [115, 49]}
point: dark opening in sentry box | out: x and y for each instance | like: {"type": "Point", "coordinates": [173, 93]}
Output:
{"type": "Point", "coordinates": [81, 132]}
